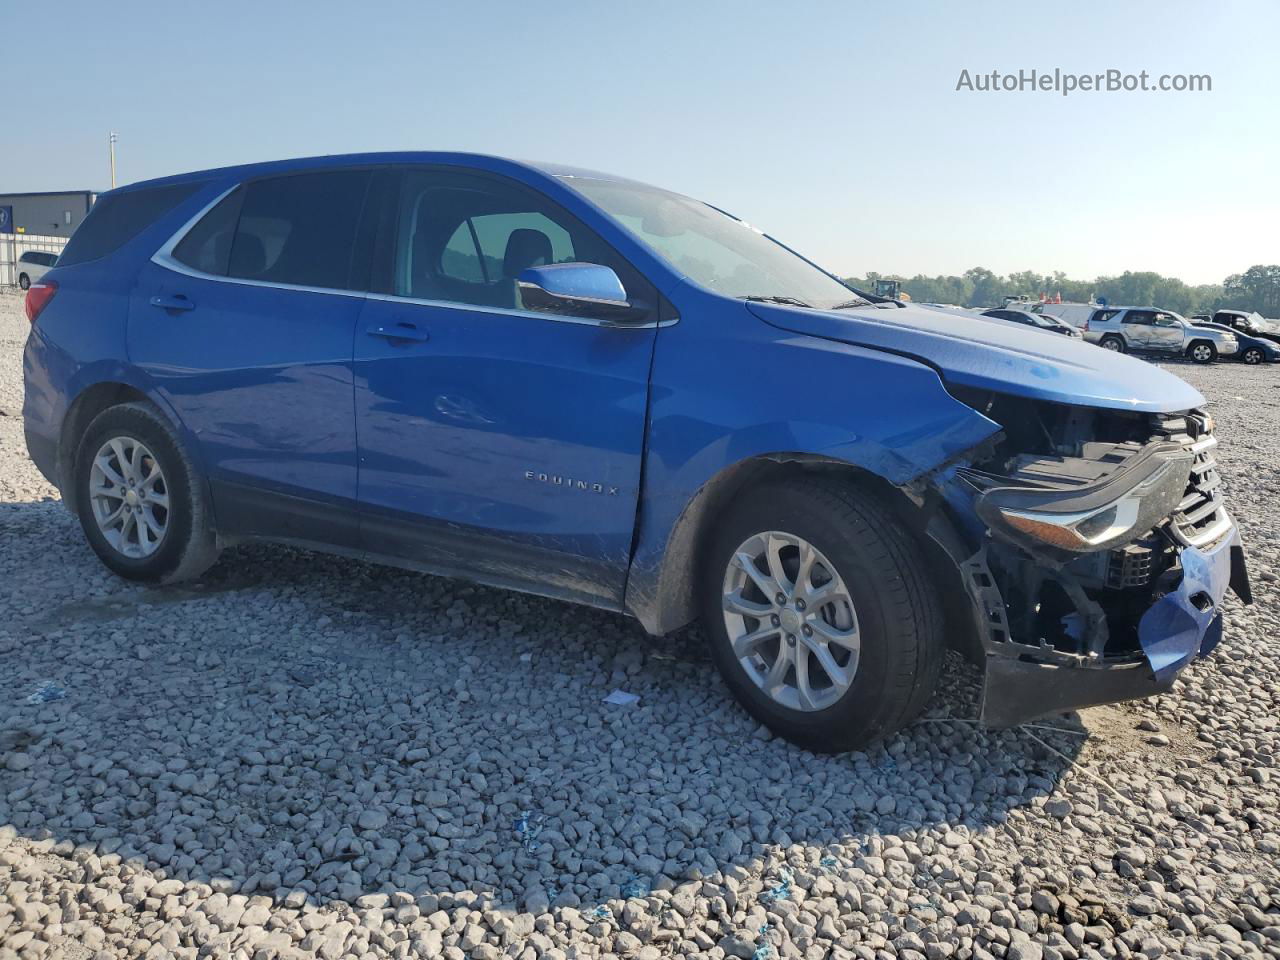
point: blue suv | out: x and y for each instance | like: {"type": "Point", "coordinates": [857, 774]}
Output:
{"type": "Point", "coordinates": [576, 385]}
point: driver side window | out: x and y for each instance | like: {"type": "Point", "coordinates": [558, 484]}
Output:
{"type": "Point", "coordinates": [465, 238]}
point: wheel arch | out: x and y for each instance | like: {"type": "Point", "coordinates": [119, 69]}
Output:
{"type": "Point", "coordinates": [670, 600]}
{"type": "Point", "coordinates": [1197, 341]}
{"type": "Point", "coordinates": [92, 399]}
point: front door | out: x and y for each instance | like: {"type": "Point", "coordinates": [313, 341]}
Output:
{"type": "Point", "coordinates": [495, 441]}
{"type": "Point", "coordinates": [246, 328]}
{"type": "Point", "coordinates": [1166, 333]}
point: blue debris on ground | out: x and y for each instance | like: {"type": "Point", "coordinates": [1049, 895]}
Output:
{"type": "Point", "coordinates": [47, 692]}
{"type": "Point", "coordinates": [527, 826]}
{"type": "Point", "coordinates": [765, 950]}
{"type": "Point", "coordinates": [636, 887]}
{"type": "Point", "coordinates": [780, 892]}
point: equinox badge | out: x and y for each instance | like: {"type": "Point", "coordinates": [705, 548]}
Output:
{"type": "Point", "coordinates": [569, 483]}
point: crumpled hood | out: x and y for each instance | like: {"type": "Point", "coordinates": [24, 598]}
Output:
{"type": "Point", "coordinates": [988, 355]}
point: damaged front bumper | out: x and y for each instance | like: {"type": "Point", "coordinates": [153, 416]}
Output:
{"type": "Point", "coordinates": [1097, 577]}
{"type": "Point", "coordinates": [1176, 629]}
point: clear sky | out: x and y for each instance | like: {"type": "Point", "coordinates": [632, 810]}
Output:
{"type": "Point", "coordinates": [835, 126]}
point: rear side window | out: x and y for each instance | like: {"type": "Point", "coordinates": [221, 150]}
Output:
{"type": "Point", "coordinates": [118, 218]}
{"type": "Point", "coordinates": [299, 229]}
{"type": "Point", "coordinates": [207, 245]}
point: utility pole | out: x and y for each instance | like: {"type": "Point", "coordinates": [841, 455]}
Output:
{"type": "Point", "coordinates": [111, 142]}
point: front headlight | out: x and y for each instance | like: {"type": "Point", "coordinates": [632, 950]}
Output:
{"type": "Point", "coordinates": [1083, 517]}
{"type": "Point", "coordinates": [1079, 532]}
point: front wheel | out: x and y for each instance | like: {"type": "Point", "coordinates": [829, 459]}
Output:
{"type": "Point", "coordinates": [821, 615]}
{"type": "Point", "coordinates": [24, 281]}
{"type": "Point", "coordinates": [139, 499]}
{"type": "Point", "coordinates": [1253, 356]}
{"type": "Point", "coordinates": [1112, 343]}
{"type": "Point", "coordinates": [1202, 352]}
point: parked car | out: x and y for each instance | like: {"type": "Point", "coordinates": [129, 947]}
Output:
{"type": "Point", "coordinates": [1041, 321]}
{"type": "Point", "coordinates": [580, 386]}
{"type": "Point", "coordinates": [1146, 330]}
{"type": "Point", "coordinates": [1247, 322]}
{"type": "Point", "coordinates": [1253, 350]}
{"type": "Point", "coordinates": [32, 265]}
{"type": "Point", "coordinates": [1076, 314]}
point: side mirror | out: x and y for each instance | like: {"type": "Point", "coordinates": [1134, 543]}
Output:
{"type": "Point", "coordinates": [578, 290]}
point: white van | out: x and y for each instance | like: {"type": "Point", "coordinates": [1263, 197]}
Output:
{"type": "Point", "coordinates": [33, 265]}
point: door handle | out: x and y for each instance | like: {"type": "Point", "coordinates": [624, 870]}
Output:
{"type": "Point", "coordinates": [398, 330]}
{"type": "Point", "coordinates": [175, 302]}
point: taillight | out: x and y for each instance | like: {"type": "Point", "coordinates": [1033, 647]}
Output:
{"type": "Point", "coordinates": [38, 297]}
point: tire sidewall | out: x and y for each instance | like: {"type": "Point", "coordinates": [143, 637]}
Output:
{"type": "Point", "coordinates": [862, 708]}
{"type": "Point", "coordinates": [1212, 354]}
{"type": "Point", "coordinates": [139, 423]}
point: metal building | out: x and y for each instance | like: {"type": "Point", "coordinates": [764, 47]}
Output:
{"type": "Point", "coordinates": [52, 214]}
{"type": "Point", "coordinates": [38, 222]}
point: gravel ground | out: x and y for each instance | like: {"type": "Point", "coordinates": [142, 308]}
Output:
{"type": "Point", "coordinates": [306, 756]}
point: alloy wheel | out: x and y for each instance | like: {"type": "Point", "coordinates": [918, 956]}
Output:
{"type": "Point", "coordinates": [1111, 345]}
{"type": "Point", "coordinates": [1253, 355]}
{"type": "Point", "coordinates": [129, 497]}
{"type": "Point", "coordinates": [1200, 352]}
{"type": "Point", "coordinates": [791, 621]}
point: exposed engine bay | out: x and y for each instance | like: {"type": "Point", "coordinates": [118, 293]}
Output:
{"type": "Point", "coordinates": [1101, 545]}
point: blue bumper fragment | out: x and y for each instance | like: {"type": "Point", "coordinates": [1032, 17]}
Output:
{"type": "Point", "coordinates": [1188, 621]}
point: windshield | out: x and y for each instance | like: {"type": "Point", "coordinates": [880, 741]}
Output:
{"type": "Point", "coordinates": [719, 252]}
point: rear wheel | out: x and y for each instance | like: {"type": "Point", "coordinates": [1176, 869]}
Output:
{"type": "Point", "coordinates": [140, 501]}
{"type": "Point", "coordinates": [820, 614]}
{"type": "Point", "coordinates": [1201, 351]}
{"type": "Point", "coordinates": [1253, 355]}
{"type": "Point", "coordinates": [24, 281]}
{"type": "Point", "coordinates": [1114, 343]}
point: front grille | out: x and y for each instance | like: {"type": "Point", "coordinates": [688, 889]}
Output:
{"type": "Point", "coordinates": [1201, 519]}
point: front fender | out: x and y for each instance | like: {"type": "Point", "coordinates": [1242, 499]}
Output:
{"type": "Point", "coordinates": [773, 395]}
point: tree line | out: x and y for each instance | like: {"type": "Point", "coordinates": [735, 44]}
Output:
{"type": "Point", "coordinates": [1257, 288]}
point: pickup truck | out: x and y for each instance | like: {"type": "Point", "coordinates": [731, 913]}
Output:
{"type": "Point", "coordinates": [1145, 330]}
{"type": "Point", "coordinates": [559, 381]}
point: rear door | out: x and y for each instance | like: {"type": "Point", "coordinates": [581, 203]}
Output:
{"type": "Point", "coordinates": [245, 325]}
{"type": "Point", "coordinates": [497, 441]}
{"type": "Point", "coordinates": [1136, 325]}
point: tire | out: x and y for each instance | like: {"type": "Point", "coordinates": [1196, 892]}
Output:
{"type": "Point", "coordinates": [185, 546]}
{"type": "Point", "coordinates": [24, 281]}
{"type": "Point", "coordinates": [1202, 351]}
{"type": "Point", "coordinates": [1253, 356]}
{"type": "Point", "coordinates": [898, 619]}
{"type": "Point", "coordinates": [1113, 343]}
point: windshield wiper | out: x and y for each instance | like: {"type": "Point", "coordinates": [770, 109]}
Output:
{"type": "Point", "coordinates": [789, 301]}
{"type": "Point", "coordinates": [850, 304]}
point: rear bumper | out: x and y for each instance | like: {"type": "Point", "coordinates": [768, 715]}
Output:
{"type": "Point", "coordinates": [1179, 627]}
